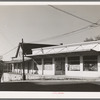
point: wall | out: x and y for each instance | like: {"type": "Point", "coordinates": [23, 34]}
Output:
{"type": "Point", "coordinates": [6, 77]}
{"type": "Point", "coordinates": [84, 74]}
{"type": "Point", "coordinates": [48, 72]}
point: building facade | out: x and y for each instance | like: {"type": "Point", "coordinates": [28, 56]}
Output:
{"type": "Point", "coordinates": [80, 60]}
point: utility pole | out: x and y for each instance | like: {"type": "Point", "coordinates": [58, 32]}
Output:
{"type": "Point", "coordinates": [24, 78]}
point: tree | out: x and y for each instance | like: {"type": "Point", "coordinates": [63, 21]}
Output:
{"type": "Point", "coordinates": [91, 39]}
{"type": "Point", "coordinates": [88, 39]}
{"type": "Point", "coordinates": [97, 37]}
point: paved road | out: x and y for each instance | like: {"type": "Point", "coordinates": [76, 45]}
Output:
{"type": "Point", "coordinates": [55, 85]}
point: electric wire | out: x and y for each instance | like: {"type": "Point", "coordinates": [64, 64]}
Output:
{"type": "Point", "coordinates": [71, 14]}
{"type": "Point", "coordinates": [80, 29]}
{"type": "Point", "coordinates": [9, 51]}
{"type": "Point", "coordinates": [53, 37]}
{"type": "Point", "coordinates": [89, 26]}
{"type": "Point", "coordinates": [64, 33]}
{"type": "Point", "coordinates": [7, 40]}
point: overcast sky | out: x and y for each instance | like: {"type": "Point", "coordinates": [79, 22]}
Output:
{"type": "Point", "coordinates": [36, 22]}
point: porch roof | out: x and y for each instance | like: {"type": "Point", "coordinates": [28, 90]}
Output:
{"type": "Point", "coordinates": [78, 47]}
{"type": "Point", "coordinates": [18, 60]}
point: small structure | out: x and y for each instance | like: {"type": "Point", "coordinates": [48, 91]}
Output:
{"type": "Point", "coordinates": [80, 60]}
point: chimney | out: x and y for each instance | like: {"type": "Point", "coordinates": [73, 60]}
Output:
{"type": "Point", "coordinates": [61, 43]}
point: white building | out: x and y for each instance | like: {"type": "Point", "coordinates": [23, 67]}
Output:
{"type": "Point", "coordinates": [80, 60]}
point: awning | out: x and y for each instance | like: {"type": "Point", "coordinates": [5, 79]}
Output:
{"type": "Point", "coordinates": [82, 47]}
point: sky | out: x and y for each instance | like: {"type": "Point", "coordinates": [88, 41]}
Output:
{"type": "Point", "coordinates": [36, 22]}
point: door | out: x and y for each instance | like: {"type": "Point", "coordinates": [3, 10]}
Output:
{"type": "Point", "coordinates": [60, 66]}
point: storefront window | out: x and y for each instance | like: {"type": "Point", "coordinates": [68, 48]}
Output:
{"type": "Point", "coordinates": [90, 63]}
{"type": "Point", "coordinates": [74, 63]}
{"type": "Point", "coordinates": [48, 64]}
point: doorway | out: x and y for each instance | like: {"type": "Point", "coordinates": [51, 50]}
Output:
{"type": "Point", "coordinates": [60, 66]}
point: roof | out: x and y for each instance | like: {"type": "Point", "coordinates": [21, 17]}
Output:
{"type": "Point", "coordinates": [29, 46]}
{"type": "Point", "coordinates": [78, 47]}
{"type": "Point", "coordinates": [18, 60]}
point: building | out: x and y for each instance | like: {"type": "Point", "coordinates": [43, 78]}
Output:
{"type": "Point", "coordinates": [80, 60]}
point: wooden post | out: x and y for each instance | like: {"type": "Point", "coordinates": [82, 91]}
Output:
{"type": "Point", "coordinates": [42, 65]}
{"type": "Point", "coordinates": [24, 78]}
{"type": "Point", "coordinates": [32, 67]}
{"type": "Point", "coordinates": [12, 67]}
{"type": "Point", "coordinates": [17, 68]}
{"type": "Point", "coordinates": [66, 65]}
{"type": "Point", "coordinates": [98, 63]}
{"type": "Point", "coordinates": [81, 63]}
{"type": "Point", "coordinates": [53, 65]}
{"type": "Point", "coordinates": [28, 66]}
{"type": "Point", "coordinates": [21, 69]}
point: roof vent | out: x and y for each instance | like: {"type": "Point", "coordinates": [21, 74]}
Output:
{"type": "Point", "coordinates": [61, 43]}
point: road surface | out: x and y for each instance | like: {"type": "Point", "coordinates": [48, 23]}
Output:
{"type": "Point", "coordinates": [52, 85]}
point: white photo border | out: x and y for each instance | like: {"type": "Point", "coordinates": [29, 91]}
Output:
{"type": "Point", "coordinates": [50, 95]}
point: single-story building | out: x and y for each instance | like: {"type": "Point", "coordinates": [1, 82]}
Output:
{"type": "Point", "coordinates": [71, 60]}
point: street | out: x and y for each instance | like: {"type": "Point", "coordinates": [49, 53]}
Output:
{"type": "Point", "coordinates": [57, 85]}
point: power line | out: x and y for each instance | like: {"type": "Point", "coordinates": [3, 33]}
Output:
{"type": "Point", "coordinates": [89, 26]}
{"type": "Point", "coordinates": [71, 14]}
{"type": "Point", "coordinates": [53, 37]}
{"type": "Point", "coordinates": [93, 25]}
{"type": "Point", "coordinates": [9, 51]}
{"type": "Point", "coordinates": [6, 39]}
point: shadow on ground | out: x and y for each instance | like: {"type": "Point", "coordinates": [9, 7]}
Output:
{"type": "Point", "coordinates": [29, 86]}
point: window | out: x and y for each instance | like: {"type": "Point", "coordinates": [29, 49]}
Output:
{"type": "Point", "coordinates": [48, 64]}
{"type": "Point", "coordinates": [90, 63]}
{"type": "Point", "coordinates": [74, 63]}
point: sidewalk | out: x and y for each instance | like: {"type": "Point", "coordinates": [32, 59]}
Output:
{"type": "Point", "coordinates": [49, 79]}
{"type": "Point", "coordinates": [55, 82]}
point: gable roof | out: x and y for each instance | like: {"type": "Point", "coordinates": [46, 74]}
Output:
{"type": "Point", "coordinates": [27, 47]}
